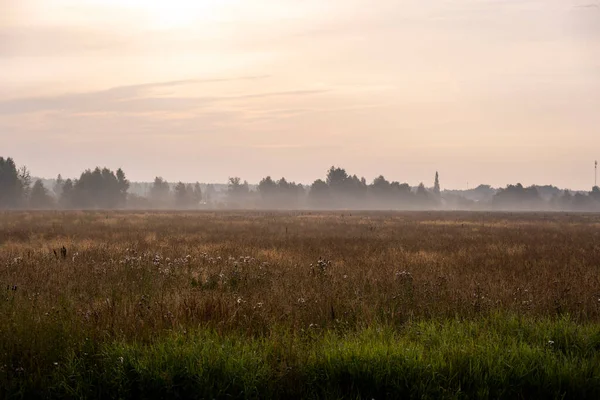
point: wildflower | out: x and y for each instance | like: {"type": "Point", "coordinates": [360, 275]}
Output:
{"type": "Point", "coordinates": [550, 342]}
{"type": "Point", "coordinates": [301, 300]}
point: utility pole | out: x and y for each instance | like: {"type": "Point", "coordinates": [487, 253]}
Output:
{"type": "Point", "coordinates": [595, 173]}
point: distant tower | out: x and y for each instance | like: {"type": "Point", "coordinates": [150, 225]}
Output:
{"type": "Point", "coordinates": [595, 173]}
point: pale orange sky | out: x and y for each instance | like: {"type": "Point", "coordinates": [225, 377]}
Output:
{"type": "Point", "coordinates": [485, 91]}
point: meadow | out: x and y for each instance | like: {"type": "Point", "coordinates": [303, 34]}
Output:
{"type": "Point", "coordinates": [299, 305]}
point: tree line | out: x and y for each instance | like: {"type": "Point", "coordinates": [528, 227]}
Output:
{"type": "Point", "coordinates": [102, 188]}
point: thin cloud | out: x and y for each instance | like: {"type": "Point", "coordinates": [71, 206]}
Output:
{"type": "Point", "coordinates": [277, 94]}
{"type": "Point", "coordinates": [283, 146]}
{"type": "Point", "coordinates": [133, 98]}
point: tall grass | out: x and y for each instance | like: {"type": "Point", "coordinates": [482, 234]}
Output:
{"type": "Point", "coordinates": [301, 304]}
{"type": "Point", "coordinates": [494, 357]}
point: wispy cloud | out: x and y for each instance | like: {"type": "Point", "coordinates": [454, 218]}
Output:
{"type": "Point", "coordinates": [136, 99]}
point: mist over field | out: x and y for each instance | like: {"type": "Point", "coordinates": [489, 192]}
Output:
{"type": "Point", "coordinates": [103, 189]}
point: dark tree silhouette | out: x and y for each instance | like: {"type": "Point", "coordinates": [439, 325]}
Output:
{"type": "Point", "coordinates": [516, 197]}
{"type": "Point", "coordinates": [66, 195]}
{"type": "Point", "coordinates": [99, 189]}
{"type": "Point", "coordinates": [11, 187]}
{"type": "Point", "coordinates": [123, 185]}
{"type": "Point", "coordinates": [320, 195]}
{"type": "Point", "coordinates": [39, 197]}
{"type": "Point", "coordinates": [268, 190]}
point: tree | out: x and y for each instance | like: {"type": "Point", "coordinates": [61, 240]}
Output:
{"type": "Point", "coordinates": [160, 192]}
{"type": "Point", "coordinates": [58, 186]}
{"type": "Point", "coordinates": [380, 185]}
{"type": "Point", "coordinates": [436, 184]}
{"type": "Point", "coordinates": [319, 195]}
{"type": "Point", "coordinates": [197, 194]}
{"type": "Point", "coordinates": [355, 191]}
{"type": "Point", "coordinates": [517, 197]}
{"type": "Point", "coordinates": [345, 190]}
{"type": "Point", "coordinates": [268, 189]}
{"type": "Point", "coordinates": [182, 196]}
{"type": "Point", "coordinates": [66, 195]}
{"type": "Point", "coordinates": [595, 193]}
{"type": "Point", "coordinates": [237, 192]}
{"type": "Point", "coordinates": [210, 193]}
{"type": "Point", "coordinates": [10, 186]}
{"type": "Point", "coordinates": [380, 192]}
{"type": "Point", "coordinates": [565, 200]}
{"type": "Point", "coordinates": [336, 177]}
{"type": "Point", "coordinates": [14, 184]}
{"type": "Point", "coordinates": [97, 189]}
{"type": "Point", "coordinates": [421, 191]}
{"type": "Point", "coordinates": [123, 187]}
{"type": "Point", "coordinates": [39, 197]}
{"type": "Point", "coordinates": [25, 180]}
{"type": "Point", "coordinates": [289, 194]}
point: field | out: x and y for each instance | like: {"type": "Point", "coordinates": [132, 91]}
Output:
{"type": "Point", "coordinates": [304, 304]}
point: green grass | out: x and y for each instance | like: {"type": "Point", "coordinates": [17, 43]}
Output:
{"type": "Point", "coordinates": [494, 357]}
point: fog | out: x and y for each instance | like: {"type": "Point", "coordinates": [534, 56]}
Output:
{"type": "Point", "coordinates": [484, 91]}
{"type": "Point", "coordinates": [104, 189]}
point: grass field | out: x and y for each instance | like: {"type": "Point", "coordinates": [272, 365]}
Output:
{"type": "Point", "coordinates": [313, 305]}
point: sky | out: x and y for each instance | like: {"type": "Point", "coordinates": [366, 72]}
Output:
{"type": "Point", "coordinates": [483, 91]}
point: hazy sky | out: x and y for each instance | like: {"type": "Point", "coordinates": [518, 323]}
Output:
{"type": "Point", "coordinates": [485, 91]}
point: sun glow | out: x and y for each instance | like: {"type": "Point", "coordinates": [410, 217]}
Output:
{"type": "Point", "coordinates": [173, 14]}
{"type": "Point", "coordinates": [185, 13]}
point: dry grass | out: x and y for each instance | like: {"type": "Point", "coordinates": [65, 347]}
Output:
{"type": "Point", "coordinates": [134, 273]}
{"type": "Point", "coordinates": [281, 279]}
